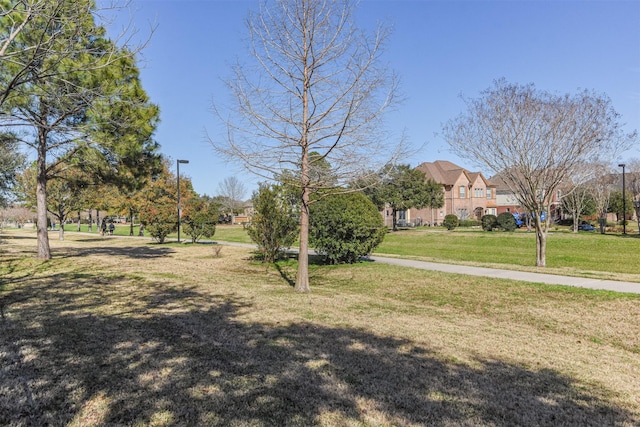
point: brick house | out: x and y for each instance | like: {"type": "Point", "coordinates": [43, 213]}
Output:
{"type": "Point", "coordinates": [507, 201]}
{"type": "Point", "coordinates": [468, 195]}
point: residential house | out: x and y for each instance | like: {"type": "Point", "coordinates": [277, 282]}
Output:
{"type": "Point", "coordinates": [506, 200]}
{"type": "Point", "coordinates": [468, 195]}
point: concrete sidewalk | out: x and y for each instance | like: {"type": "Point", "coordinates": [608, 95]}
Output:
{"type": "Point", "coordinates": [551, 279]}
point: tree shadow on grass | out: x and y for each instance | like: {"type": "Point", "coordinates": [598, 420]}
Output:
{"type": "Point", "coordinates": [169, 355]}
{"type": "Point", "coordinates": [135, 252]}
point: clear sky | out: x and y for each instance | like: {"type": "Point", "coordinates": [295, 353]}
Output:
{"type": "Point", "coordinates": [440, 49]}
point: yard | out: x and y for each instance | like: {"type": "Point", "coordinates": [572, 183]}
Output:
{"type": "Point", "coordinates": [117, 331]}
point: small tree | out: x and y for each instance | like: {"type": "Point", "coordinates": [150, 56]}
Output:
{"type": "Point", "coordinates": [232, 191]}
{"type": "Point", "coordinates": [345, 227]}
{"type": "Point", "coordinates": [159, 213]}
{"type": "Point", "coordinates": [274, 225]}
{"type": "Point", "coordinates": [633, 185]}
{"type": "Point", "coordinates": [489, 222]}
{"type": "Point", "coordinates": [450, 221]}
{"type": "Point", "coordinates": [403, 188]}
{"type": "Point", "coordinates": [506, 221]}
{"type": "Point", "coordinates": [600, 188]}
{"type": "Point", "coordinates": [577, 203]}
{"type": "Point", "coordinates": [617, 205]}
{"type": "Point", "coordinates": [159, 218]}
{"type": "Point", "coordinates": [201, 216]}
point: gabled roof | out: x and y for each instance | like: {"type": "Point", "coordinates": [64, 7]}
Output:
{"type": "Point", "coordinates": [447, 173]}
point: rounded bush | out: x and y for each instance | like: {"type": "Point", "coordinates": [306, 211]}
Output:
{"type": "Point", "coordinates": [506, 221]}
{"type": "Point", "coordinates": [345, 227]}
{"type": "Point", "coordinates": [450, 221]}
{"type": "Point", "coordinates": [489, 222]}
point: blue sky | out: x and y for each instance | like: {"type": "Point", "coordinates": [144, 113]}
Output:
{"type": "Point", "coordinates": [440, 49]}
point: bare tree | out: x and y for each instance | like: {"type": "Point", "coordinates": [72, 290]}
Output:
{"type": "Point", "coordinates": [633, 185]}
{"type": "Point", "coordinates": [537, 141]}
{"type": "Point", "coordinates": [318, 86]}
{"type": "Point", "coordinates": [600, 188]}
{"type": "Point", "coordinates": [575, 203]}
{"type": "Point", "coordinates": [232, 192]}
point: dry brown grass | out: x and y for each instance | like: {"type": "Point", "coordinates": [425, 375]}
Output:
{"type": "Point", "coordinates": [123, 332]}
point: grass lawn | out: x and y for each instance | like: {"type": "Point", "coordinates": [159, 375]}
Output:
{"type": "Point", "coordinates": [224, 232]}
{"type": "Point", "coordinates": [128, 332]}
{"type": "Point", "coordinates": [610, 256]}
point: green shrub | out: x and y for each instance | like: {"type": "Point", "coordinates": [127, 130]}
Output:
{"type": "Point", "coordinates": [489, 222]}
{"type": "Point", "coordinates": [469, 223]}
{"type": "Point", "coordinates": [345, 227]}
{"type": "Point", "coordinates": [506, 221]}
{"type": "Point", "coordinates": [450, 221]}
{"type": "Point", "coordinates": [200, 218]}
{"type": "Point", "coordinates": [159, 218]}
{"type": "Point", "coordinates": [274, 225]}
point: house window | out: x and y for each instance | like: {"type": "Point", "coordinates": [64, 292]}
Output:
{"type": "Point", "coordinates": [463, 192]}
{"type": "Point", "coordinates": [488, 193]}
{"type": "Point", "coordinates": [490, 211]}
{"type": "Point", "coordinates": [463, 214]}
{"type": "Point", "coordinates": [477, 192]}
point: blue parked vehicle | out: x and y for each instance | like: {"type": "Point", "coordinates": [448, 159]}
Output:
{"type": "Point", "coordinates": [518, 218]}
{"type": "Point", "coordinates": [586, 227]}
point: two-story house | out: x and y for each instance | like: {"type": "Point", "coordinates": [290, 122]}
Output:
{"type": "Point", "coordinates": [468, 195]}
{"type": "Point", "coordinates": [507, 200]}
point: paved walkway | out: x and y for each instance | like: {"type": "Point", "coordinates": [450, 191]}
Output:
{"type": "Point", "coordinates": [551, 279]}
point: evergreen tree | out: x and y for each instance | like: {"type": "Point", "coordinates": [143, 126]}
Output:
{"type": "Point", "coordinates": [403, 188]}
{"type": "Point", "coordinates": [81, 99]}
{"type": "Point", "coordinates": [274, 224]}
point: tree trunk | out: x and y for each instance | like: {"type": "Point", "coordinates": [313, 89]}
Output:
{"type": "Point", "coordinates": [131, 222]}
{"type": "Point", "coordinates": [79, 222]}
{"type": "Point", "coordinates": [61, 230]}
{"type": "Point", "coordinates": [98, 220]}
{"type": "Point", "coordinates": [394, 219]}
{"type": "Point", "coordinates": [541, 243]}
{"type": "Point", "coordinates": [90, 226]}
{"type": "Point", "coordinates": [302, 278]}
{"type": "Point", "coordinates": [44, 251]}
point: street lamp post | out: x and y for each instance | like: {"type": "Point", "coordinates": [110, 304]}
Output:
{"type": "Point", "coordinates": [179, 210]}
{"type": "Point", "coordinates": [624, 201]}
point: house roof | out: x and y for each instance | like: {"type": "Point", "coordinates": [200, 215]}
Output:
{"type": "Point", "coordinates": [447, 173]}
